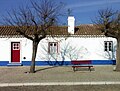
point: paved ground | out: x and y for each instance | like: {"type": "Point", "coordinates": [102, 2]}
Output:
{"type": "Point", "coordinates": [57, 74]}
{"type": "Point", "coordinates": [62, 75]}
{"type": "Point", "coordinates": [64, 88]}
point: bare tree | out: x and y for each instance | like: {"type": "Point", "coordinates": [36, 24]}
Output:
{"type": "Point", "coordinates": [109, 23]}
{"type": "Point", "coordinates": [36, 19]}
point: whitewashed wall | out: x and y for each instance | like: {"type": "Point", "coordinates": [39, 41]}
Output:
{"type": "Point", "coordinates": [5, 48]}
{"type": "Point", "coordinates": [86, 48]}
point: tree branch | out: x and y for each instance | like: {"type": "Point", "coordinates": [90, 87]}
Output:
{"type": "Point", "coordinates": [109, 22]}
{"type": "Point", "coordinates": [22, 33]}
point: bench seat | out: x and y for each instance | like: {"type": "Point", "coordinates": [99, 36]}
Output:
{"type": "Point", "coordinates": [81, 63]}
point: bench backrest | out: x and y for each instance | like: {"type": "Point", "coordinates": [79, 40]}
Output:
{"type": "Point", "coordinates": [77, 62]}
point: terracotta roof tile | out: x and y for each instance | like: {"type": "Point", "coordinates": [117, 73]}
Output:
{"type": "Point", "coordinates": [62, 30]}
{"type": "Point", "coordinates": [88, 30]}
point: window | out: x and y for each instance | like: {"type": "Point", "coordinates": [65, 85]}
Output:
{"type": "Point", "coordinates": [53, 47]}
{"type": "Point", "coordinates": [108, 45]}
{"type": "Point", "coordinates": [16, 46]}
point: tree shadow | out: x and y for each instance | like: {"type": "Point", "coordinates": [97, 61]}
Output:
{"type": "Point", "coordinates": [45, 68]}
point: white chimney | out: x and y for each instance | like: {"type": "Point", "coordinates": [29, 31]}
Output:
{"type": "Point", "coordinates": [71, 24]}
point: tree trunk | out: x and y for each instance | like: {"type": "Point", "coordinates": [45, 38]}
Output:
{"type": "Point", "coordinates": [118, 55]}
{"type": "Point", "coordinates": [32, 67]}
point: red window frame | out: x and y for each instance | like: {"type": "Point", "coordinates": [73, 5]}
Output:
{"type": "Point", "coordinates": [54, 46]}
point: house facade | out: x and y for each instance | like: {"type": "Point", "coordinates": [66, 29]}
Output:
{"type": "Point", "coordinates": [84, 42]}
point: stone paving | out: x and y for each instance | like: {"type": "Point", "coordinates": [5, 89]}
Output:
{"type": "Point", "coordinates": [58, 74]}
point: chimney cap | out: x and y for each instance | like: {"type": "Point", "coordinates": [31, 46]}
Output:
{"type": "Point", "coordinates": [71, 17]}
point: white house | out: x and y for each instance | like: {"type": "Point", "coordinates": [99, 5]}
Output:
{"type": "Point", "coordinates": [84, 42]}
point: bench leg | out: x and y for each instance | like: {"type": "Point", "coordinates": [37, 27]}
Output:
{"type": "Point", "coordinates": [90, 69]}
{"type": "Point", "coordinates": [74, 69]}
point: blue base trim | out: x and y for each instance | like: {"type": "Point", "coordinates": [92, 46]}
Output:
{"type": "Point", "coordinates": [4, 63]}
{"type": "Point", "coordinates": [46, 63]}
{"type": "Point", "coordinates": [103, 62]}
{"type": "Point", "coordinates": [59, 63]}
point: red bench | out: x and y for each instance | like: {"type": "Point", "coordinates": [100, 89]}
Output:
{"type": "Point", "coordinates": [81, 63]}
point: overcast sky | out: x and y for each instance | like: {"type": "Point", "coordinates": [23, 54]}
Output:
{"type": "Point", "coordinates": [83, 10]}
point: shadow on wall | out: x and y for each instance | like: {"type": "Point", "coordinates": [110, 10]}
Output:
{"type": "Point", "coordinates": [76, 29]}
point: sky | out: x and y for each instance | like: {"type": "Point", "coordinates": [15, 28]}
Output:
{"type": "Point", "coordinates": [84, 11]}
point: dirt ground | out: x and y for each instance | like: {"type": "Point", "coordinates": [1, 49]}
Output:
{"type": "Point", "coordinates": [58, 74]}
{"type": "Point", "coordinates": [64, 88]}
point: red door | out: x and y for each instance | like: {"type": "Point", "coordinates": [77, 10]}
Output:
{"type": "Point", "coordinates": [15, 52]}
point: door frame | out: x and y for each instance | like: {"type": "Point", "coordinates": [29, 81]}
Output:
{"type": "Point", "coordinates": [10, 61]}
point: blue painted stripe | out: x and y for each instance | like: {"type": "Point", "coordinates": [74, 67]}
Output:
{"type": "Point", "coordinates": [46, 63]}
{"type": "Point", "coordinates": [4, 63]}
{"type": "Point", "coordinates": [103, 62]}
{"type": "Point", "coordinates": [59, 63]}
